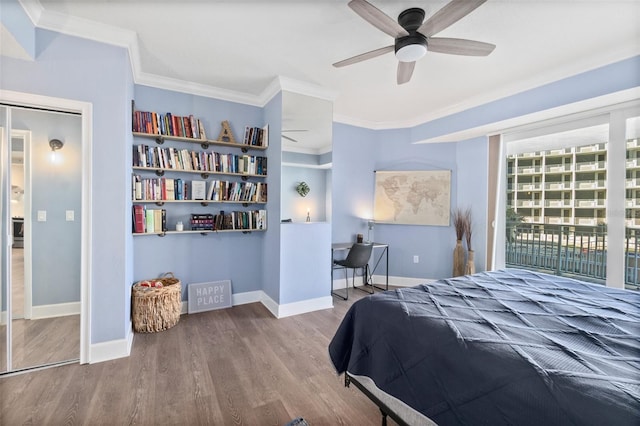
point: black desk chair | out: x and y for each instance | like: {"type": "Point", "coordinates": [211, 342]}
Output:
{"type": "Point", "coordinates": [358, 257]}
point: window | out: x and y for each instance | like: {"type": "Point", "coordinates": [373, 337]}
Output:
{"type": "Point", "coordinates": [570, 208]}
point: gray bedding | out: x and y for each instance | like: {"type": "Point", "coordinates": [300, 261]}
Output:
{"type": "Point", "coordinates": [497, 348]}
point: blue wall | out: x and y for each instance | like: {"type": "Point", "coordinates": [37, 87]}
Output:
{"type": "Point", "coordinates": [73, 68]}
{"type": "Point", "coordinates": [293, 205]}
{"type": "Point", "coordinates": [197, 258]}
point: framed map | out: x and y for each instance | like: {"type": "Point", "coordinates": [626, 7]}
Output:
{"type": "Point", "coordinates": [413, 197]}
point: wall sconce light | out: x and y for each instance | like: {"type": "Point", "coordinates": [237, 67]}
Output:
{"type": "Point", "coordinates": [55, 144]}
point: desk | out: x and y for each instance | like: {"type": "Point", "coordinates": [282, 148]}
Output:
{"type": "Point", "coordinates": [368, 273]}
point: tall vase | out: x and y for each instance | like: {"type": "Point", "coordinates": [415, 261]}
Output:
{"type": "Point", "coordinates": [458, 259]}
{"type": "Point", "coordinates": [471, 266]}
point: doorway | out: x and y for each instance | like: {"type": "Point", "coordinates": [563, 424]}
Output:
{"type": "Point", "coordinates": [44, 282]}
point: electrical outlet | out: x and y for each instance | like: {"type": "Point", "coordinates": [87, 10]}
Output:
{"type": "Point", "coordinates": [416, 259]}
{"type": "Point", "coordinates": [42, 216]}
{"type": "Point", "coordinates": [70, 216]}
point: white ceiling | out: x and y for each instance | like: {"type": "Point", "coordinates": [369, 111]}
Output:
{"type": "Point", "coordinates": [240, 47]}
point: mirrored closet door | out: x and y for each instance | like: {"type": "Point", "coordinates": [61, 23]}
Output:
{"type": "Point", "coordinates": [41, 259]}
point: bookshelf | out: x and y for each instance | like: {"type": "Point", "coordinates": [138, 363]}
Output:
{"type": "Point", "coordinates": [175, 172]}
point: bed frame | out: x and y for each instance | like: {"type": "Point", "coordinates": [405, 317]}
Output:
{"type": "Point", "coordinates": [390, 406]}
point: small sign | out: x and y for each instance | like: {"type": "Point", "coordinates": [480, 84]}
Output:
{"type": "Point", "coordinates": [209, 296]}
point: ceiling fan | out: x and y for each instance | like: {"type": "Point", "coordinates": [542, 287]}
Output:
{"type": "Point", "coordinates": [413, 35]}
{"type": "Point", "coordinates": [289, 138]}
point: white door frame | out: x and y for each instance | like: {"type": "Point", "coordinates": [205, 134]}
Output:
{"type": "Point", "coordinates": [86, 111]}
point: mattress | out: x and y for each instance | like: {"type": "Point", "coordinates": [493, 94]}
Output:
{"type": "Point", "coordinates": [501, 347]}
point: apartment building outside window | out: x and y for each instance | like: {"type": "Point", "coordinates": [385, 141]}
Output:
{"type": "Point", "coordinates": [564, 192]}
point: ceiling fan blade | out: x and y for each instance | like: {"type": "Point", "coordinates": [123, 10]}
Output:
{"type": "Point", "coordinates": [364, 56]}
{"type": "Point", "coordinates": [451, 13]}
{"type": "Point", "coordinates": [459, 46]}
{"type": "Point", "coordinates": [288, 138]}
{"type": "Point", "coordinates": [377, 18]}
{"type": "Point", "coordinates": [405, 71]}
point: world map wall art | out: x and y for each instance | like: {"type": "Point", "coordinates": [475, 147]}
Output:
{"type": "Point", "coordinates": [413, 197]}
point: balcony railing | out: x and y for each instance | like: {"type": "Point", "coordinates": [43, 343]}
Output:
{"type": "Point", "coordinates": [589, 184]}
{"type": "Point", "coordinates": [563, 151]}
{"type": "Point", "coordinates": [533, 186]}
{"type": "Point", "coordinates": [529, 169]}
{"type": "Point", "coordinates": [589, 203]}
{"type": "Point", "coordinates": [590, 165]}
{"type": "Point", "coordinates": [591, 148]}
{"type": "Point", "coordinates": [565, 250]}
{"type": "Point", "coordinates": [530, 154]}
{"type": "Point", "coordinates": [558, 185]}
{"type": "Point", "coordinates": [633, 163]}
{"type": "Point", "coordinates": [633, 143]}
{"type": "Point", "coordinates": [558, 220]}
{"type": "Point", "coordinates": [558, 168]}
{"type": "Point", "coordinates": [632, 203]}
{"type": "Point", "coordinates": [529, 203]}
{"type": "Point", "coordinates": [557, 203]}
{"type": "Point", "coordinates": [633, 182]}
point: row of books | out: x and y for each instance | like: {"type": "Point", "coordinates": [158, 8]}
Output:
{"type": "Point", "coordinates": [168, 125]}
{"type": "Point", "coordinates": [256, 136]}
{"type": "Point", "coordinates": [183, 159]}
{"type": "Point", "coordinates": [163, 189]}
{"type": "Point", "coordinates": [149, 220]}
{"type": "Point", "coordinates": [241, 219]}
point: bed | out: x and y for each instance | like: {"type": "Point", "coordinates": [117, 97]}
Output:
{"type": "Point", "coordinates": [497, 348]}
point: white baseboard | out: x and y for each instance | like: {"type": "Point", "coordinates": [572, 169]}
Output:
{"type": "Point", "coordinates": [113, 349]}
{"type": "Point", "coordinates": [304, 306]}
{"type": "Point", "coordinates": [402, 281]}
{"type": "Point", "coordinates": [380, 281]}
{"type": "Point", "coordinates": [296, 308]}
{"type": "Point", "coordinates": [56, 310]}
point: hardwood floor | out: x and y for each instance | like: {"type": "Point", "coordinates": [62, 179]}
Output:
{"type": "Point", "coordinates": [236, 366]}
{"type": "Point", "coordinates": [40, 341]}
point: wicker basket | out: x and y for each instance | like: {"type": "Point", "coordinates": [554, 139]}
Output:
{"type": "Point", "coordinates": [156, 308]}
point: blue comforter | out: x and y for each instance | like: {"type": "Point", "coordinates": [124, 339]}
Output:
{"type": "Point", "coordinates": [508, 347]}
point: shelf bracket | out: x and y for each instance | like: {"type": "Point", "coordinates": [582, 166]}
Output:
{"type": "Point", "coordinates": [159, 203]}
{"type": "Point", "coordinates": [245, 204]}
{"type": "Point", "coordinates": [204, 233]}
{"type": "Point", "coordinates": [246, 232]}
{"type": "Point", "coordinates": [160, 172]}
{"type": "Point", "coordinates": [204, 145]}
{"type": "Point", "coordinates": [162, 234]}
{"type": "Point", "coordinates": [204, 203]}
{"type": "Point", "coordinates": [159, 140]}
{"type": "Point", "coordinates": [204, 175]}
{"type": "Point", "coordinates": [243, 149]}
{"type": "Point", "coordinates": [245, 178]}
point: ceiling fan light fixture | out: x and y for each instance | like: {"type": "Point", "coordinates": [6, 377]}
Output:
{"type": "Point", "coordinates": [411, 52]}
{"type": "Point", "coordinates": [411, 48]}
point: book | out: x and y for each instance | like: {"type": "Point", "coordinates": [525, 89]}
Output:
{"type": "Point", "coordinates": [149, 218]}
{"type": "Point", "coordinates": [198, 189]}
{"type": "Point", "coordinates": [170, 189]}
{"type": "Point", "coordinates": [157, 220]}
{"type": "Point", "coordinates": [139, 219]}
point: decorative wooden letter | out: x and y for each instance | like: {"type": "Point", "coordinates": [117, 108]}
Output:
{"type": "Point", "coordinates": [226, 135]}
